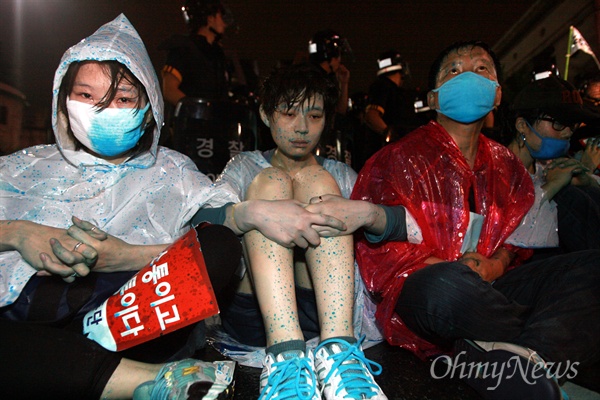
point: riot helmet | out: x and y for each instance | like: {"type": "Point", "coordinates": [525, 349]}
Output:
{"type": "Point", "coordinates": [391, 61]}
{"type": "Point", "coordinates": [327, 44]}
{"type": "Point", "coordinates": [196, 13]}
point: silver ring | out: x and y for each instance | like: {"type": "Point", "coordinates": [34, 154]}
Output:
{"type": "Point", "coordinates": [93, 229]}
{"type": "Point", "coordinates": [77, 246]}
{"type": "Point", "coordinates": [73, 275]}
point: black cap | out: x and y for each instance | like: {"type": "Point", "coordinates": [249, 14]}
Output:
{"type": "Point", "coordinates": [556, 97]}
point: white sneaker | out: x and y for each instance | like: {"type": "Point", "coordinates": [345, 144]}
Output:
{"type": "Point", "coordinates": [344, 372]}
{"type": "Point", "coordinates": [289, 376]}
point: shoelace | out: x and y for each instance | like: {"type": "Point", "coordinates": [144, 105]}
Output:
{"type": "Point", "coordinates": [164, 387]}
{"type": "Point", "coordinates": [291, 379]}
{"type": "Point", "coordinates": [348, 364]}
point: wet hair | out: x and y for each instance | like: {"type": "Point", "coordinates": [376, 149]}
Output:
{"type": "Point", "coordinates": [470, 44]}
{"type": "Point", "coordinates": [117, 73]}
{"type": "Point", "coordinates": [296, 84]}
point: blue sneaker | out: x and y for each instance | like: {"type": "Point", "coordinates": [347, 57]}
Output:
{"type": "Point", "coordinates": [190, 380]}
{"type": "Point", "coordinates": [344, 372]}
{"type": "Point", "coordinates": [288, 376]}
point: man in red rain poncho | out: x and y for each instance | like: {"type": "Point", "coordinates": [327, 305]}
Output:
{"type": "Point", "coordinates": [437, 260]}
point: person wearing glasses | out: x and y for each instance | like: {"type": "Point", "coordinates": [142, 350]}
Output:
{"type": "Point", "coordinates": [565, 216]}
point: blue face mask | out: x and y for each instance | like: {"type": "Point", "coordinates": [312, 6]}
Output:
{"type": "Point", "coordinates": [467, 97]}
{"type": "Point", "coordinates": [110, 132]}
{"type": "Point", "coordinates": [550, 148]}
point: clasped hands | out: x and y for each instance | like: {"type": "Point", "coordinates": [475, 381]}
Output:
{"type": "Point", "coordinates": [288, 222]}
{"type": "Point", "coordinates": [76, 251]}
{"type": "Point", "coordinates": [566, 171]}
{"type": "Point", "coordinates": [73, 252]}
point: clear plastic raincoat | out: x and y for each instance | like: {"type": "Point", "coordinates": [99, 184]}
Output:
{"type": "Point", "coordinates": [236, 177]}
{"type": "Point", "coordinates": [149, 199]}
{"type": "Point", "coordinates": [426, 172]}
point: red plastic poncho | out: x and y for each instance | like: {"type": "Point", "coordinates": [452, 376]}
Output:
{"type": "Point", "coordinates": [426, 173]}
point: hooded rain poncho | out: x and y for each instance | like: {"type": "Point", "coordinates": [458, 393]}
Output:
{"type": "Point", "coordinates": [148, 199]}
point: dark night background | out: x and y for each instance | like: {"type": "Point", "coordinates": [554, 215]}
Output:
{"type": "Point", "coordinates": [35, 33]}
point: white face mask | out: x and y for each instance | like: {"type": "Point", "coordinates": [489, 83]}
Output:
{"type": "Point", "coordinates": [110, 132]}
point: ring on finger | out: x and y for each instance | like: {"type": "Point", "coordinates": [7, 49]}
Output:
{"type": "Point", "coordinates": [77, 246]}
{"type": "Point", "coordinates": [73, 275]}
{"type": "Point", "coordinates": [93, 229]}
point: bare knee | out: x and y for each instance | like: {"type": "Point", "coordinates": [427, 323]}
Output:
{"type": "Point", "coordinates": [270, 184]}
{"type": "Point", "coordinates": [313, 181]}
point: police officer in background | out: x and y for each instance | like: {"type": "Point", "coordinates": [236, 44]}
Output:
{"type": "Point", "coordinates": [389, 113]}
{"type": "Point", "coordinates": [326, 49]}
{"type": "Point", "coordinates": [196, 63]}
{"type": "Point", "coordinates": [209, 125]}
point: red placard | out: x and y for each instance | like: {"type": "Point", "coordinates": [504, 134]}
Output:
{"type": "Point", "coordinates": [172, 291]}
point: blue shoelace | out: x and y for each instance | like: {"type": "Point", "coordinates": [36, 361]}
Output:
{"type": "Point", "coordinates": [291, 379]}
{"type": "Point", "coordinates": [348, 364]}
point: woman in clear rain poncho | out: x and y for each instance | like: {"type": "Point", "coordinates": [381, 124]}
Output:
{"type": "Point", "coordinates": [106, 168]}
{"type": "Point", "coordinates": [100, 170]}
